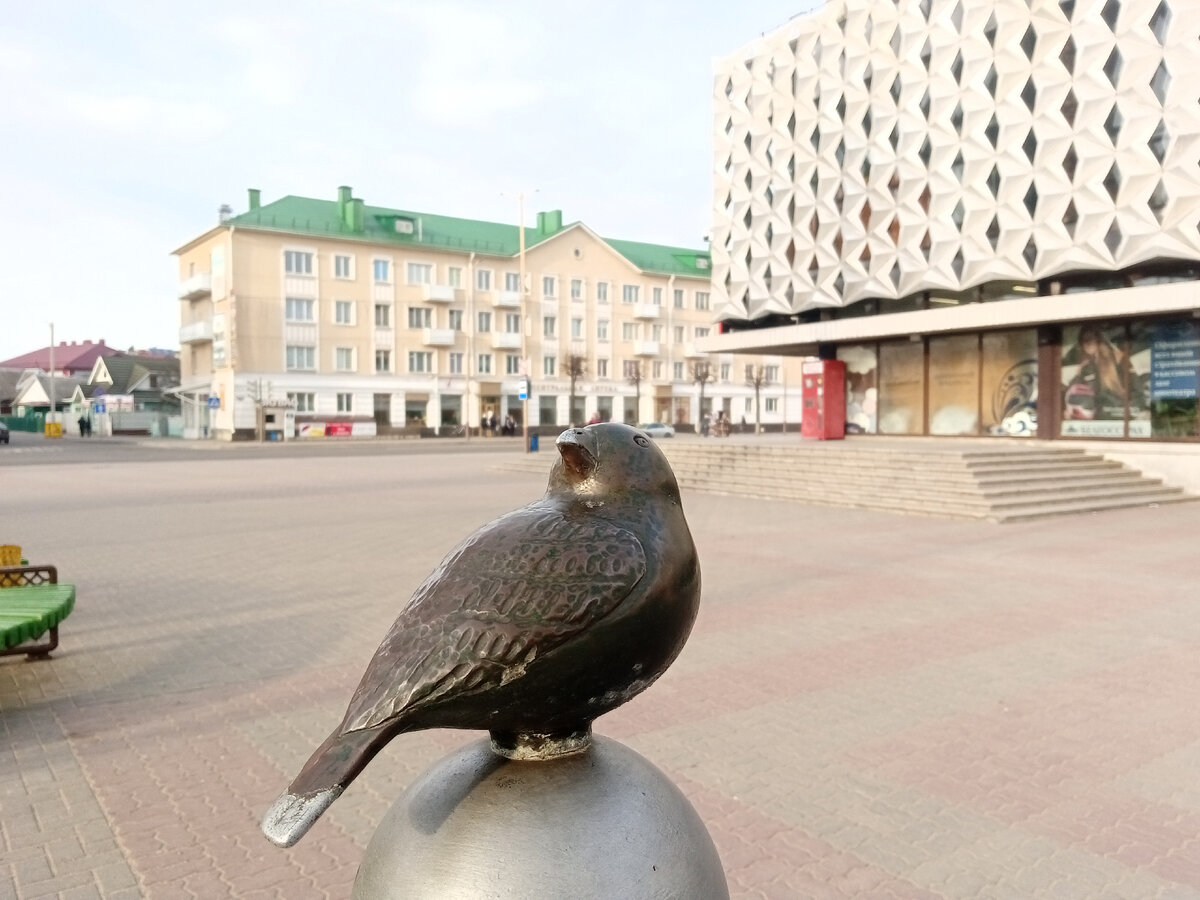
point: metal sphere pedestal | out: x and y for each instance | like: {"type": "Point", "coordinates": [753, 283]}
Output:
{"type": "Point", "coordinates": [604, 822]}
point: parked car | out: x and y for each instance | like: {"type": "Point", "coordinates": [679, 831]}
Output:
{"type": "Point", "coordinates": [657, 430]}
{"type": "Point", "coordinates": [3, 433]}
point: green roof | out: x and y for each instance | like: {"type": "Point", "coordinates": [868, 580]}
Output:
{"type": "Point", "coordinates": [378, 224]}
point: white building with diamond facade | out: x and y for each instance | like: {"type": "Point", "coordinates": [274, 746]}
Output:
{"type": "Point", "coordinates": [989, 211]}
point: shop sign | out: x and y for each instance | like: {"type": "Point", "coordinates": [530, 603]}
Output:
{"type": "Point", "coordinates": [1174, 362]}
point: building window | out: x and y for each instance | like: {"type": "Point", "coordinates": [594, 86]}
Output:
{"type": "Point", "coordinates": [576, 288]}
{"type": "Point", "coordinates": [577, 329]}
{"type": "Point", "coordinates": [512, 281]}
{"type": "Point", "coordinates": [750, 372]}
{"type": "Point", "coordinates": [484, 322]}
{"type": "Point", "coordinates": [701, 299]}
{"type": "Point", "coordinates": [548, 365]}
{"type": "Point", "coordinates": [419, 273]}
{"type": "Point", "coordinates": [549, 326]}
{"type": "Point", "coordinates": [420, 361]}
{"type": "Point", "coordinates": [701, 332]}
{"type": "Point", "coordinates": [601, 291]}
{"type": "Point", "coordinates": [549, 286]}
{"type": "Point", "coordinates": [678, 298]}
{"type": "Point", "coordinates": [602, 329]}
{"type": "Point", "coordinates": [658, 369]}
{"type": "Point", "coordinates": [303, 402]}
{"type": "Point", "coordinates": [343, 312]}
{"type": "Point", "coordinates": [484, 366]}
{"type": "Point", "coordinates": [382, 269]}
{"type": "Point", "coordinates": [301, 359]}
{"type": "Point", "coordinates": [677, 333]}
{"type": "Point", "coordinates": [383, 360]}
{"type": "Point", "coordinates": [298, 309]}
{"type": "Point", "coordinates": [677, 370]}
{"type": "Point", "coordinates": [456, 363]}
{"type": "Point", "coordinates": [454, 319]}
{"type": "Point", "coordinates": [296, 262]}
{"type": "Point", "coordinates": [771, 374]}
{"type": "Point", "coordinates": [343, 266]}
{"type": "Point", "coordinates": [656, 332]}
{"type": "Point", "coordinates": [454, 276]}
{"type": "Point", "coordinates": [602, 368]}
{"type": "Point", "coordinates": [629, 331]}
{"type": "Point", "coordinates": [345, 402]}
{"type": "Point", "coordinates": [631, 369]}
{"type": "Point", "coordinates": [656, 296]}
{"type": "Point", "coordinates": [512, 323]}
{"type": "Point", "coordinates": [383, 315]}
{"type": "Point", "coordinates": [770, 404]}
{"type": "Point", "coordinates": [629, 293]}
{"type": "Point", "coordinates": [725, 368]}
{"type": "Point", "coordinates": [420, 317]}
{"type": "Point", "coordinates": [483, 279]}
{"type": "Point", "coordinates": [343, 359]}
{"type": "Point", "coordinates": [512, 364]}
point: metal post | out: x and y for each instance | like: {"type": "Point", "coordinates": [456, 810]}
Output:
{"type": "Point", "coordinates": [524, 321]}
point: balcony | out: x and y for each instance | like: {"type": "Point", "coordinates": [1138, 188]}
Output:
{"type": "Point", "coordinates": [439, 337]}
{"type": "Point", "coordinates": [439, 293]}
{"type": "Point", "coordinates": [199, 285]}
{"type": "Point", "coordinates": [647, 311]}
{"type": "Point", "coordinates": [691, 351]}
{"type": "Point", "coordinates": [196, 332]}
{"type": "Point", "coordinates": [507, 299]}
{"type": "Point", "coordinates": [645, 348]}
{"type": "Point", "coordinates": [506, 340]}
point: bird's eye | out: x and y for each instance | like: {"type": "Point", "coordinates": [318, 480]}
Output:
{"type": "Point", "coordinates": [641, 441]}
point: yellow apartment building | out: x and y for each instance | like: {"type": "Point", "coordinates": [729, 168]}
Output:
{"type": "Point", "coordinates": [312, 318]}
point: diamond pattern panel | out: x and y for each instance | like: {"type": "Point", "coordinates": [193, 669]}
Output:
{"type": "Point", "coordinates": [872, 150]}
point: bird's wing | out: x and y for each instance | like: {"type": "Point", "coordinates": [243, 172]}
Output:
{"type": "Point", "coordinates": [514, 590]}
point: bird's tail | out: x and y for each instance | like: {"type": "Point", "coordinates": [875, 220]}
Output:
{"type": "Point", "coordinates": [327, 773]}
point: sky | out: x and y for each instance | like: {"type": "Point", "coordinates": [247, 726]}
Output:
{"type": "Point", "coordinates": [127, 124]}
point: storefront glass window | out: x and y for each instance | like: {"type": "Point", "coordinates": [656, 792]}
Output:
{"type": "Point", "coordinates": [954, 384]}
{"type": "Point", "coordinates": [862, 392]}
{"type": "Point", "coordinates": [1009, 389]}
{"type": "Point", "coordinates": [902, 388]}
{"type": "Point", "coordinates": [1100, 381]}
{"type": "Point", "coordinates": [1174, 378]}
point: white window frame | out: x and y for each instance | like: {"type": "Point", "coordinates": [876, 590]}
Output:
{"type": "Point", "coordinates": [454, 319]}
{"type": "Point", "coordinates": [656, 296]}
{"type": "Point", "coordinates": [629, 331]}
{"type": "Point", "coordinates": [384, 356]}
{"type": "Point", "coordinates": [483, 322]}
{"type": "Point", "coordinates": [299, 309]}
{"type": "Point", "coordinates": [422, 315]}
{"type": "Point", "coordinates": [386, 310]}
{"type": "Point", "coordinates": [512, 364]}
{"type": "Point", "coordinates": [679, 298]}
{"type": "Point", "coordinates": [512, 281]}
{"type": "Point", "coordinates": [300, 358]}
{"type": "Point", "coordinates": [630, 293]}
{"type": "Point", "coordinates": [484, 364]}
{"type": "Point", "coordinates": [386, 263]}
{"type": "Point", "coordinates": [344, 306]}
{"type": "Point", "coordinates": [345, 402]}
{"type": "Point", "coordinates": [483, 279]}
{"type": "Point", "coordinates": [512, 323]}
{"type": "Point", "coordinates": [601, 291]}
{"type": "Point", "coordinates": [677, 368]}
{"type": "Point", "coordinates": [549, 287]}
{"type": "Point", "coordinates": [702, 300]}
{"type": "Point", "coordinates": [576, 288]}
{"type": "Point", "coordinates": [343, 272]}
{"type": "Point", "coordinates": [303, 401]}
{"type": "Point", "coordinates": [420, 362]}
{"type": "Point", "coordinates": [550, 327]}
{"type": "Point", "coordinates": [601, 368]}
{"type": "Point", "coordinates": [343, 359]}
{"type": "Point", "coordinates": [770, 404]}
{"type": "Point", "coordinates": [602, 330]}
{"type": "Point", "coordinates": [549, 365]}
{"type": "Point", "coordinates": [298, 262]}
{"type": "Point", "coordinates": [456, 363]}
{"type": "Point", "coordinates": [419, 272]}
{"type": "Point", "coordinates": [454, 277]}
{"type": "Point", "coordinates": [577, 328]}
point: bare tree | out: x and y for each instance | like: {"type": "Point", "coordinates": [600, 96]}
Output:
{"type": "Point", "coordinates": [756, 377]}
{"type": "Point", "coordinates": [634, 375]}
{"type": "Point", "coordinates": [702, 374]}
{"type": "Point", "coordinates": [574, 367]}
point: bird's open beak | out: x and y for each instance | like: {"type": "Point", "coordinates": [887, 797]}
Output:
{"type": "Point", "coordinates": [578, 449]}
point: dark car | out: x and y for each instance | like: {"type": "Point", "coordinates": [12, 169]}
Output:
{"type": "Point", "coordinates": [3, 433]}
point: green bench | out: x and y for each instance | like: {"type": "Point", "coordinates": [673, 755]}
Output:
{"type": "Point", "coordinates": [32, 602]}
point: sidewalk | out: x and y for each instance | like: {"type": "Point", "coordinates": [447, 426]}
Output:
{"type": "Point", "coordinates": [869, 706]}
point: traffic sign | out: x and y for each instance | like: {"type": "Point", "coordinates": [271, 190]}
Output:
{"type": "Point", "coordinates": [214, 402]}
{"type": "Point", "coordinates": [100, 408]}
{"type": "Point", "coordinates": [524, 395]}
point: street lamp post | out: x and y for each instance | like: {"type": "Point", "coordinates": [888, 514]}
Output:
{"type": "Point", "coordinates": [524, 321]}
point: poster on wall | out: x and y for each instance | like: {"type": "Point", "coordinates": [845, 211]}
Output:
{"type": "Point", "coordinates": [1103, 375]}
{"type": "Point", "coordinates": [861, 392]}
{"type": "Point", "coordinates": [1174, 378]}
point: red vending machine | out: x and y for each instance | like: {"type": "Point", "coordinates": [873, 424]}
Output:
{"type": "Point", "coordinates": [823, 390]}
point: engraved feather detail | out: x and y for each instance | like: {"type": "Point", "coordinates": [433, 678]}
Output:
{"type": "Point", "coordinates": [518, 588]}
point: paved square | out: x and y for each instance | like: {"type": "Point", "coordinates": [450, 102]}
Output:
{"type": "Point", "coordinates": [870, 705]}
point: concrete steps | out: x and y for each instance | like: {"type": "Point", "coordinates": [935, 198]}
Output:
{"type": "Point", "coordinates": [995, 484]}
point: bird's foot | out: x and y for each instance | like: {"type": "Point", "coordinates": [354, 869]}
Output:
{"type": "Point", "coordinates": [527, 745]}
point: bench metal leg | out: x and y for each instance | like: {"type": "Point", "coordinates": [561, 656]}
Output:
{"type": "Point", "coordinates": [35, 651]}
